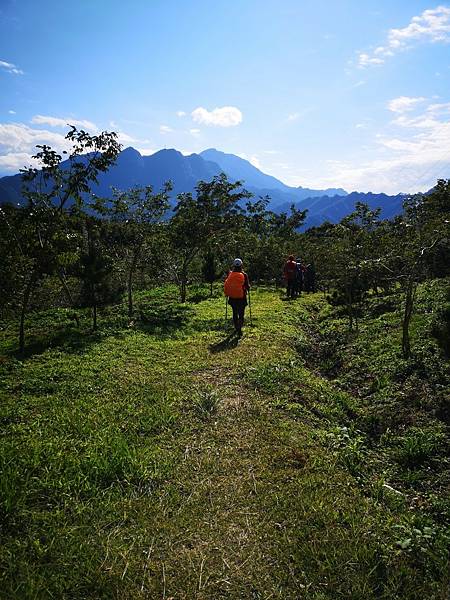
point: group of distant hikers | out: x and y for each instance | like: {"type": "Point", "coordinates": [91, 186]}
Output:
{"type": "Point", "coordinates": [298, 276]}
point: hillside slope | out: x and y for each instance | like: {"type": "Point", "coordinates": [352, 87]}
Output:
{"type": "Point", "coordinates": [169, 460]}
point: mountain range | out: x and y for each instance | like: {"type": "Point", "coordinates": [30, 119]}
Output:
{"type": "Point", "coordinates": [134, 169]}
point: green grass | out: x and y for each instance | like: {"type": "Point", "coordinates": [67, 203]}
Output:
{"type": "Point", "coordinates": [164, 458]}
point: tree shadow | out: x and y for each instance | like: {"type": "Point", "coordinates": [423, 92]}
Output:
{"type": "Point", "coordinates": [231, 341]}
{"type": "Point", "coordinates": [163, 319]}
{"type": "Point", "coordinates": [213, 324]}
{"type": "Point", "coordinates": [382, 307]}
{"type": "Point", "coordinates": [67, 338]}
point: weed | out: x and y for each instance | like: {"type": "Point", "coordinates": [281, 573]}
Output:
{"type": "Point", "coordinates": [206, 403]}
{"type": "Point", "coordinates": [349, 445]}
{"type": "Point", "coordinates": [419, 445]}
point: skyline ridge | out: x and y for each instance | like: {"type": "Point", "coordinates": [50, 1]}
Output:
{"type": "Point", "coordinates": [134, 169]}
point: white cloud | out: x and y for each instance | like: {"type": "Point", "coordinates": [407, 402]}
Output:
{"type": "Point", "coordinates": [145, 151]}
{"type": "Point", "coordinates": [12, 112]}
{"type": "Point", "coordinates": [128, 140]}
{"type": "Point", "coordinates": [365, 60]}
{"type": "Point", "coordinates": [165, 129]}
{"type": "Point", "coordinates": [433, 25]}
{"type": "Point", "coordinates": [181, 113]}
{"type": "Point", "coordinates": [439, 108]}
{"type": "Point", "coordinates": [252, 159]}
{"type": "Point", "coordinates": [18, 143]}
{"type": "Point", "coordinates": [16, 160]}
{"type": "Point", "coordinates": [293, 116]}
{"type": "Point", "coordinates": [125, 139]}
{"type": "Point", "coordinates": [10, 68]}
{"type": "Point", "coordinates": [58, 122]}
{"type": "Point", "coordinates": [227, 116]}
{"type": "Point", "coordinates": [411, 161]}
{"type": "Point", "coordinates": [404, 104]}
{"type": "Point", "coordinates": [194, 132]}
{"type": "Point", "coordinates": [16, 137]}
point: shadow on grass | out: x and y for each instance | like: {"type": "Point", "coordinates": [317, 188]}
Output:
{"type": "Point", "coordinates": [163, 319]}
{"type": "Point", "coordinates": [376, 309]}
{"type": "Point", "coordinates": [71, 340]}
{"type": "Point", "coordinates": [213, 324]}
{"type": "Point", "coordinates": [231, 341]}
{"type": "Point", "coordinates": [159, 319]}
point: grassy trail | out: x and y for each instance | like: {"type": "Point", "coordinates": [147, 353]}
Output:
{"type": "Point", "coordinates": [169, 465]}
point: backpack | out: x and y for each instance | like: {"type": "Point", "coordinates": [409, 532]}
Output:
{"type": "Point", "coordinates": [234, 285]}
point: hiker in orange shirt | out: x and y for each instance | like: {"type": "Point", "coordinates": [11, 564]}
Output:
{"type": "Point", "coordinates": [236, 287]}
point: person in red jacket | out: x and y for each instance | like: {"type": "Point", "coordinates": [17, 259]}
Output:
{"type": "Point", "coordinates": [236, 287]}
{"type": "Point", "coordinates": [289, 274]}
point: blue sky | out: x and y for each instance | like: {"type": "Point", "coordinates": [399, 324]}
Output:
{"type": "Point", "coordinates": [317, 93]}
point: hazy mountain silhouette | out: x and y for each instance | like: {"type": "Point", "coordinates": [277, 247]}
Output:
{"type": "Point", "coordinates": [240, 169]}
{"type": "Point", "coordinates": [334, 208]}
{"type": "Point", "coordinates": [132, 169]}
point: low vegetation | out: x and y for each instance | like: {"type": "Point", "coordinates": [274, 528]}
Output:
{"type": "Point", "coordinates": [165, 459]}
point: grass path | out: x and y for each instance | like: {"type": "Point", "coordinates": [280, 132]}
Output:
{"type": "Point", "coordinates": [154, 465]}
{"type": "Point", "coordinates": [261, 512]}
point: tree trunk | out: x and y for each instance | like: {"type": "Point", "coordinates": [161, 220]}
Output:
{"type": "Point", "coordinates": [183, 284]}
{"type": "Point", "coordinates": [349, 306]}
{"type": "Point", "coordinates": [23, 312]}
{"type": "Point", "coordinates": [130, 294]}
{"type": "Point", "coordinates": [94, 316]}
{"type": "Point", "coordinates": [211, 289]}
{"type": "Point", "coordinates": [409, 305]}
{"type": "Point", "coordinates": [69, 295]}
{"type": "Point", "coordinates": [183, 290]}
{"type": "Point", "coordinates": [130, 284]}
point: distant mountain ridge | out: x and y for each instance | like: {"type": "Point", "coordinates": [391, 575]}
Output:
{"type": "Point", "coordinates": [243, 170]}
{"type": "Point", "coordinates": [133, 169]}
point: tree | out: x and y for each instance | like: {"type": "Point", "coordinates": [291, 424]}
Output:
{"type": "Point", "coordinates": [197, 221]}
{"type": "Point", "coordinates": [137, 212]}
{"type": "Point", "coordinates": [46, 237]}
{"type": "Point", "coordinates": [263, 237]}
{"type": "Point", "coordinates": [423, 234]}
{"type": "Point", "coordinates": [209, 269]}
{"type": "Point", "coordinates": [99, 285]}
{"type": "Point", "coordinates": [353, 258]}
{"type": "Point", "coordinates": [14, 263]}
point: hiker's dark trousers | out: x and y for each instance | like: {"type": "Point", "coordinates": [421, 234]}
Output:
{"type": "Point", "coordinates": [238, 305]}
{"type": "Point", "coordinates": [290, 291]}
{"type": "Point", "coordinates": [298, 286]}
